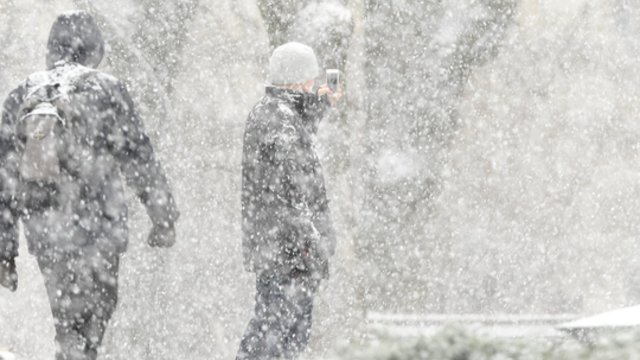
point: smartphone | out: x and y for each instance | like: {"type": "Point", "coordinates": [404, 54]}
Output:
{"type": "Point", "coordinates": [333, 79]}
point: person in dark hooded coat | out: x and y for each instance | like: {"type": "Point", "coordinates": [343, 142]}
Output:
{"type": "Point", "coordinates": [288, 235]}
{"type": "Point", "coordinates": [72, 205]}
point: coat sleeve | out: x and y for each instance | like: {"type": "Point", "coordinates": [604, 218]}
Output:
{"type": "Point", "coordinates": [314, 111]}
{"type": "Point", "coordinates": [132, 148]}
{"type": "Point", "coordinates": [9, 175]}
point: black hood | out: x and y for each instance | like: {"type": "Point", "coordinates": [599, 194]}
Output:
{"type": "Point", "coordinates": [75, 37]}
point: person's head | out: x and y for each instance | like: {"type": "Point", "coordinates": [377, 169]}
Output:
{"type": "Point", "coordinates": [294, 66]}
{"type": "Point", "coordinates": [75, 37]}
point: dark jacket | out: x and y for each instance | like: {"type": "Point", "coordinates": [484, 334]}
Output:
{"type": "Point", "coordinates": [103, 140]}
{"type": "Point", "coordinates": [285, 211]}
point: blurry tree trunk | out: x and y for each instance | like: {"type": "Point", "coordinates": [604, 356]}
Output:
{"type": "Point", "coordinates": [6, 8]}
{"type": "Point", "coordinates": [416, 71]}
{"type": "Point", "coordinates": [162, 34]}
{"type": "Point", "coordinates": [279, 16]}
{"type": "Point", "coordinates": [290, 20]}
{"type": "Point", "coordinates": [148, 60]}
{"type": "Point", "coordinates": [626, 14]}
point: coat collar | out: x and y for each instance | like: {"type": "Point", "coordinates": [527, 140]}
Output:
{"type": "Point", "coordinates": [288, 95]}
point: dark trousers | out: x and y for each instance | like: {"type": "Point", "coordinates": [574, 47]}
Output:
{"type": "Point", "coordinates": [281, 325]}
{"type": "Point", "coordinates": [83, 292]}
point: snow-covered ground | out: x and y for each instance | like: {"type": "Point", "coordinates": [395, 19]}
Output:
{"type": "Point", "coordinates": [607, 336]}
{"type": "Point", "coordinates": [5, 355]}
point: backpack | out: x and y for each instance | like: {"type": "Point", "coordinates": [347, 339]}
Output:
{"type": "Point", "coordinates": [40, 128]}
{"type": "Point", "coordinates": [44, 135]}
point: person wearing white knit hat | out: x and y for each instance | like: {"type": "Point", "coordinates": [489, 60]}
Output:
{"type": "Point", "coordinates": [288, 236]}
{"type": "Point", "coordinates": [294, 66]}
{"type": "Point", "coordinates": [292, 63]}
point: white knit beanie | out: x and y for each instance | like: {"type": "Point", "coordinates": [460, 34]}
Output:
{"type": "Point", "coordinates": [292, 63]}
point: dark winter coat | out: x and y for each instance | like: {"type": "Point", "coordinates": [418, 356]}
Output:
{"type": "Point", "coordinates": [286, 220]}
{"type": "Point", "coordinates": [103, 140]}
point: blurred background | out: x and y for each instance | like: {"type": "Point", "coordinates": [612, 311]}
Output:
{"type": "Point", "coordinates": [485, 161]}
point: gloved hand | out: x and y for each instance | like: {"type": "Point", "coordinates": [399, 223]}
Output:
{"type": "Point", "coordinates": [162, 235]}
{"type": "Point", "coordinates": [302, 251]}
{"type": "Point", "coordinates": [8, 274]}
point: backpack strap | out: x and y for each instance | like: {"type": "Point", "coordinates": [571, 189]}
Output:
{"type": "Point", "coordinates": [44, 108]}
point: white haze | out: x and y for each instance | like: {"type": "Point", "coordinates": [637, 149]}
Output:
{"type": "Point", "coordinates": [528, 204]}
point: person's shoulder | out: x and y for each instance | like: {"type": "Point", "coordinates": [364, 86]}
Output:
{"type": "Point", "coordinates": [279, 114]}
{"type": "Point", "coordinates": [272, 113]}
{"type": "Point", "coordinates": [76, 75]}
{"type": "Point", "coordinates": [270, 118]}
{"type": "Point", "coordinates": [112, 86]}
{"type": "Point", "coordinates": [15, 97]}
{"type": "Point", "coordinates": [280, 110]}
{"type": "Point", "coordinates": [107, 80]}
{"type": "Point", "coordinates": [37, 77]}
{"type": "Point", "coordinates": [268, 109]}
{"type": "Point", "coordinates": [285, 111]}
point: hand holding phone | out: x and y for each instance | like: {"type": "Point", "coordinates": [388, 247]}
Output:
{"type": "Point", "coordinates": [332, 88]}
{"type": "Point", "coordinates": [333, 79]}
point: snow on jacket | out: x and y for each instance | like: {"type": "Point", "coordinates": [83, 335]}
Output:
{"type": "Point", "coordinates": [286, 218]}
{"type": "Point", "coordinates": [104, 140]}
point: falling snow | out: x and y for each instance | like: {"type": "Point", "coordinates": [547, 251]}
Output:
{"type": "Point", "coordinates": [482, 169]}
